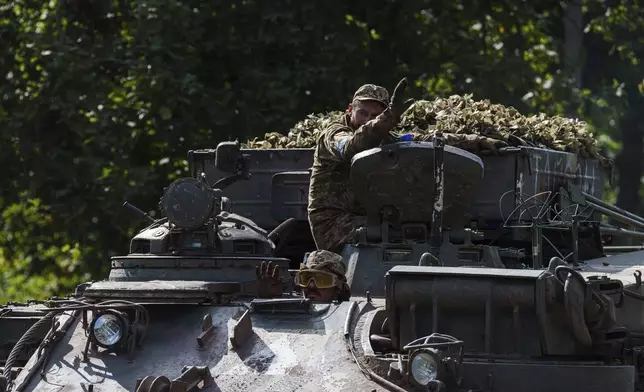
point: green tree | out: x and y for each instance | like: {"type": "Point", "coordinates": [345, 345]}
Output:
{"type": "Point", "coordinates": [101, 100]}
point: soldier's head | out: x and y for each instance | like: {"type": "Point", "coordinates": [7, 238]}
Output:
{"type": "Point", "coordinates": [368, 102]}
{"type": "Point", "coordinates": [322, 278]}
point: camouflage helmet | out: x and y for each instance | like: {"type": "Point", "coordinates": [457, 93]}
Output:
{"type": "Point", "coordinates": [371, 92]}
{"type": "Point", "coordinates": [325, 260]}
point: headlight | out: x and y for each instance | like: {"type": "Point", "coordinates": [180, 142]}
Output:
{"type": "Point", "coordinates": [109, 328]}
{"type": "Point", "coordinates": [424, 366]}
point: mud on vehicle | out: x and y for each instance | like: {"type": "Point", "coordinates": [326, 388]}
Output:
{"type": "Point", "coordinates": [468, 273]}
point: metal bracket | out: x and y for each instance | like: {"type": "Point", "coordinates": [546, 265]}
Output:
{"type": "Point", "coordinates": [638, 278]}
{"type": "Point", "coordinates": [242, 331]}
{"type": "Point", "coordinates": [190, 377]}
{"type": "Point", "coordinates": [207, 332]}
{"type": "Point", "coordinates": [436, 232]}
{"type": "Point", "coordinates": [87, 387]}
{"type": "Point", "coordinates": [537, 246]}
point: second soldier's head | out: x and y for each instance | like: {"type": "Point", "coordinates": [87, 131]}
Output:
{"type": "Point", "coordinates": [323, 277]}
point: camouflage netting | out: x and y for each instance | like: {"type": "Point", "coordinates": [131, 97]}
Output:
{"type": "Point", "coordinates": [472, 125]}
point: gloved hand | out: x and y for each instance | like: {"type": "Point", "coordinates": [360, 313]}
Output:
{"type": "Point", "coordinates": [268, 280]}
{"type": "Point", "coordinates": [397, 104]}
{"type": "Point", "coordinates": [387, 120]}
{"type": "Point", "coordinates": [384, 123]}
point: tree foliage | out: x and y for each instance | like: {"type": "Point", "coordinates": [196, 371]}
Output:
{"type": "Point", "coordinates": [101, 100]}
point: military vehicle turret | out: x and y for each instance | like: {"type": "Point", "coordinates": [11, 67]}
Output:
{"type": "Point", "coordinates": [468, 273]}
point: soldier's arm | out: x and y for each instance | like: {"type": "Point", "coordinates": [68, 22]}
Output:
{"type": "Point", "coordinates": [342, 144]}
{"type": "Point", "coordinates": [469, 142]}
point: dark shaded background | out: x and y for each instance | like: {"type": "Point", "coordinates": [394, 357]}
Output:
{"type": "Point", "coordinates": [101, 100]}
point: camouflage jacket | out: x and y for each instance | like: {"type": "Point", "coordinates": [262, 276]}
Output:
{"type": "Point", "coordinates": [330, 186]}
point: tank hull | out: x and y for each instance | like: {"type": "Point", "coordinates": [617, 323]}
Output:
{"type": "Point", "coordinates": [284, 353]}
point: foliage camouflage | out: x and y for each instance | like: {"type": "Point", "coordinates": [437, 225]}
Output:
{"type": "Point", "coordinates": [101, 100]}
{"type": "Point", "coordinates": [457, 116]}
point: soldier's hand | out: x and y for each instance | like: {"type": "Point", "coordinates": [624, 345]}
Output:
{"type": "Point", "coordinates": [268, 280]}
{"type": "Point", "coordinates": [474, 143]}
{"type": "Point", "coordinates": [384, 123]}
{"type": "Point", "coordinates": [398, 104]}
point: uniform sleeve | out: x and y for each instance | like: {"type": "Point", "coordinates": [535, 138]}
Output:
{"type": "Point", "coordinates": [342, 144]}
{"type": "Point", "coordinates": [469, 142]}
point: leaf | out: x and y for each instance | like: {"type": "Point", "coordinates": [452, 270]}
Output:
{"type": "Point", "coordinates": [165, 113]}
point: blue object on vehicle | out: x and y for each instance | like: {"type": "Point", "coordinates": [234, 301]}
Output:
{"type": "Point", "coordinates": [341, 145]}
{"type": "Point", "coordinates": [407, 137]}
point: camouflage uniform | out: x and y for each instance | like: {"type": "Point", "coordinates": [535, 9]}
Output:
{"type": "Point", "coordinates": [330, 262]}
{"type": "Point", "coordinates": [332, 201]}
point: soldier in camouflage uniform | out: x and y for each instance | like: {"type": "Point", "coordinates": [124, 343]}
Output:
{"type": "Point", "coordinates": [332, 203]}
{"type": "Point", "coordinates": [322, 278]}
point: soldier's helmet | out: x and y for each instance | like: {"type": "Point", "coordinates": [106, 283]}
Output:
{"type": "Point", "coordinates": [371, 92]}
{"type": "Point", "coordinates": [326, 261]}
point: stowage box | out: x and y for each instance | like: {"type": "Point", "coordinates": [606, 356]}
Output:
{"type": "Point", "coordinates": [516, 177]}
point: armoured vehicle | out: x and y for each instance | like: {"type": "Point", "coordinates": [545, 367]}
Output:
{"type": "Point", "coordinates": [468, 273]}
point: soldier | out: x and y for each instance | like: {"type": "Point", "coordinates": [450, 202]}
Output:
{"type": "Point", "coordinates": [332, 204]}
{"type": "Point", "coordinates": [322, 278]}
